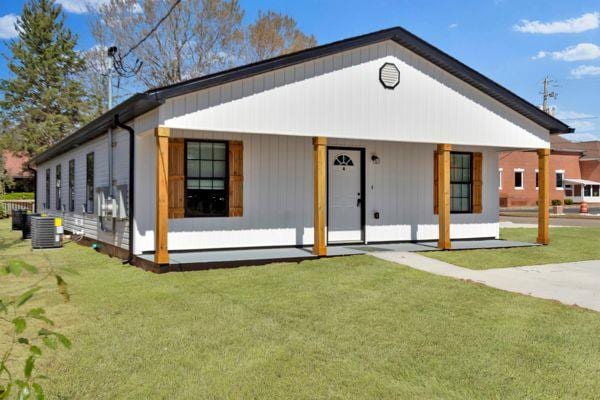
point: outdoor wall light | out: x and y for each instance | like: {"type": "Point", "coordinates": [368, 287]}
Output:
{"type": "Point", "coordinates": [375, 159]}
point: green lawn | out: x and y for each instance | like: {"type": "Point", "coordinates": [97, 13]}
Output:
{"type": "Point", "coordinates": [354, 327]}
{"type": "Point", "coordinates": [566, 244]}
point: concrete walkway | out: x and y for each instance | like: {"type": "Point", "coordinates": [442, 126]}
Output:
{"type": "Point", "coordinates": [576, 283]}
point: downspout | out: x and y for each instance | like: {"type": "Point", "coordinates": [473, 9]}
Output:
{"type": "Point", "coordinates": [131, 183]}
{"type": "Point", "coordinates": [35, 183]}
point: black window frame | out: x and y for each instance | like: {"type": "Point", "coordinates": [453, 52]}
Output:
{"type": "Point", "coordinates": [187, 212]}
{"type": "Point", "coordinates": [47, 199]}
{"type": "Point", "coordinates": [522, 174]}
{"type": "Point", "coordinates": [58, 186]}
{"type": "Point", "coordinates": [89, 183]}
{"type": "Point", "coordinates": [72, 185]}
{"type": "Point", "coordinates": [469, 182]}
{"type": "Point", "coordinates": [562, 179]}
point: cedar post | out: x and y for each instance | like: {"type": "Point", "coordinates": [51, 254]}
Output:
{"type": "Point", "coordinates": [161, 232]}
{"type": "Point", "coordinates": [320, 193]}
{"type": "Point", "coordinates": [543, 196]}
{"type": "Point", "coordinates": [443, 195]}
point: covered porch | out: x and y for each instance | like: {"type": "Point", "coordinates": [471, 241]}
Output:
{"type": "Point", "coordinates": [582, 190]}
{"type": "Point", "coordinates": [172, 226]}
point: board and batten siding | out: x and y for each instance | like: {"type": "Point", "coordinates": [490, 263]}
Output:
{"type": "Point", "coordinates": [278, 195]}
{"type": "Point", "coordinates": [77, 221]}
{"type": "Point", "coordinates": [340, 96]}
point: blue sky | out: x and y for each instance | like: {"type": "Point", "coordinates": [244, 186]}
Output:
{"type": "Point", "coordinates": [514, 42]}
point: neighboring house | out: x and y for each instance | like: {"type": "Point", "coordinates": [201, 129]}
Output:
{"type": "Point", "coordinates": [15, 166]}
{"type": "Point", "coordinates": [574, 169]}
{"type": "Point", "coordinates": [377, 138]}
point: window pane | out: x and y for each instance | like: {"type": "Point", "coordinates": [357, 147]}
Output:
{"type": "Point", "coordinates": [193, 168]}
{"type": "Point", "coordinates": [206, 169]}
{"type": "Point", "coordinates": [206, 151]}
{"type": "Point", "coordinates": [205, 203]}
{"type": "Point", "coordinates": [219, 184]}
{"type": "Point", "coordinates": [219, 151]}
{"type": "Point", "coordinates": [596, 190]}
{"type": "Point", "coordinates": [220, 169]}
{"type": "Point", "coordinates": [206, 184]}
{"type": "Point", "coordinates": [193, 150]}
{"type": "Point", "coordinates": [466, 175]}
{"type": "Point", "coordinates": [587, 191]}
{"type": "Point", "coordinates": [193, 184]}
{"type": "Point", "coordinates": [518, 179]}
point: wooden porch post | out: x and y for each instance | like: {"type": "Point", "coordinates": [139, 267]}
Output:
{"type": "Point", "coordinates": [543, 196]}
{"type": "Point", "coordinates": [320, 193]}
{"type": "Point", "coordinates": [161, 252]}
{"type": "Point", "coordinates": [443, 154]}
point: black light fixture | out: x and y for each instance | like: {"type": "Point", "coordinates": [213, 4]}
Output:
{"type": "Point", "coordinates": [375, 159]}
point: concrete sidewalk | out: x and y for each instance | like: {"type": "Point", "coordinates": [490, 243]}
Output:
{"type": "Point", "coordinates": [576, 283]}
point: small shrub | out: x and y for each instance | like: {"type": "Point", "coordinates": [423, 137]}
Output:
{"type": "Point", "coordinates": [556, 202]}
{"type": "Point", "coordinates": [568, 202]}
{"type": "Point", "coordinates": [17, 196]}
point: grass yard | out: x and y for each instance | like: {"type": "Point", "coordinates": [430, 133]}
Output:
{"type": "Point", "coordinates": [566, 244]}
{"type": "Point", "coordinates": [353, 327]}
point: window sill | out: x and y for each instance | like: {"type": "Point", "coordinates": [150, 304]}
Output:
{"type": "Point", "coordinates": [519, 188]}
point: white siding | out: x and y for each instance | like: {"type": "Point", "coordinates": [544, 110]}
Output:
{"type": "Point", "coordinates": [77, 221]}
{"type": "Point", "coordinates": [278, 196]}
{"type": "Point", "coordinates": [340, 96]}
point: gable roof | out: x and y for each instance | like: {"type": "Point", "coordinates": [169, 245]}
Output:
{"type": "Point", "coordinates": [141, 103]}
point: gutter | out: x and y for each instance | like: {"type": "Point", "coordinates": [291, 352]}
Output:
{"type": "Point", "coordinates": [131, 191]}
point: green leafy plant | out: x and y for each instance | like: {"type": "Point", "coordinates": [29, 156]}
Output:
{"type": "Point", "coordinates": [556, 202]}
{"type": "Point", "coordinates": [17, 196]}
{"type": "Point", "coordinates": [568, 202]}
{"type": "Point", "coordinates": [28, 328]}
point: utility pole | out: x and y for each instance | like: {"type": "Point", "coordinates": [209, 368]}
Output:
{"type": "Point", "coordinates": [547, 94]}
{"type": "Point", "coordinates": [111, 53]}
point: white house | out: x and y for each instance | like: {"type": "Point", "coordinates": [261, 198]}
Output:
{"type": "Point", "coordinates": [376, 138]}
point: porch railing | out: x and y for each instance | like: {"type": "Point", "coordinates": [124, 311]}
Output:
{"type": "Point", "coordinates": [10, 205]}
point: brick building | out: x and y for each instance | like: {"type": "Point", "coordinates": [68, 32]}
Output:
{"type": "Point", "coordinates": [574, 174]}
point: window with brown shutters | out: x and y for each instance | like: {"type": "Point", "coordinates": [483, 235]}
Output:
{"type": "Point", "coordinates": [236, 179]}
{"type": "Point", "coordinates": [465, 183]}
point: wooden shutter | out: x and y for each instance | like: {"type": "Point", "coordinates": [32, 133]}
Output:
{"type": "Point", "coordinates": [435, 183]}
{"type": "Point", "coordinates": [176, 178]}
{"type": "Point", "coordinates": [477, 183]}
{"type": "Point", "coordinates": [236, 179]}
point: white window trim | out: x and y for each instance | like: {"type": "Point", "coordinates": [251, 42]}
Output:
{"type": "Point", "coordinates": [560, 171]}
{"type": "Point", "coordinates": [500, 178]}
{"type": "Point", "coordinates": [537, 173]}
{"type": "Point", "coordinates": [522, 171]}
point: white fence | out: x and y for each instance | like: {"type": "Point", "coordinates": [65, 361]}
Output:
{"type": "Point", "coordinates": [10, 205]}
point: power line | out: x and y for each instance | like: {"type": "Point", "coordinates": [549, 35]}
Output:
{"type": "Point", "coordinates": [119, 60]}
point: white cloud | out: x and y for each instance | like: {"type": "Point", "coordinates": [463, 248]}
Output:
{"type": "Point", "coordinates": [582, 122]}
{"type": "Point", "coordinates": [8, 29]}
{"type": "Point", "coordinates": [453, 26]}
{"type": "Point", "coordinates": [585, 70]}
{"type": "Point", "coordinates": [582, 51]}
{"type": "Point", "coordinates": [81, 6]}
{"type": "Point", "coordinates": [584, 23]}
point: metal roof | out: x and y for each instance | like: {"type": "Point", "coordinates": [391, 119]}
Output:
{"type": "Point", "coordinates": [143, 102]}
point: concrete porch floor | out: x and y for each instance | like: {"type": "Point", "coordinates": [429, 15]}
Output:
{"type": "Point", "coordinates": [206, 259]}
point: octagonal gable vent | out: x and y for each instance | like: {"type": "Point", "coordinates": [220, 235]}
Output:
{"type": "Point", "coordinates": [389, 75]}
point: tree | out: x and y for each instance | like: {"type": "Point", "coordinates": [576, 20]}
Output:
{"type": "Point", "coordinates": [274, 34]}
{"type": "Point", "coordinates": [42, 101]}
{"type": "Point", "coordinates": [197, 37]}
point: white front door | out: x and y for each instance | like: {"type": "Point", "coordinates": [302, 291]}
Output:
{"type": "Point", "coordinates": [344, 196]}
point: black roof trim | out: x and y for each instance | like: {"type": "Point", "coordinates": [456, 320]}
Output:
{"type": "Point", "coordinates": [143, 102]}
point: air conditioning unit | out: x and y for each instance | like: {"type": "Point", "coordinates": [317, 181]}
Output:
{"type": "Point", "coordinates": [17, 219]}
{"type": "Point", "coordinates": [46, 232]}
{"type": "Point", "coordinates": [26, 225]}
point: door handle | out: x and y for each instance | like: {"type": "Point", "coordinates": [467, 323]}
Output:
{"type": "Point", "coordinates": [358, 201]}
